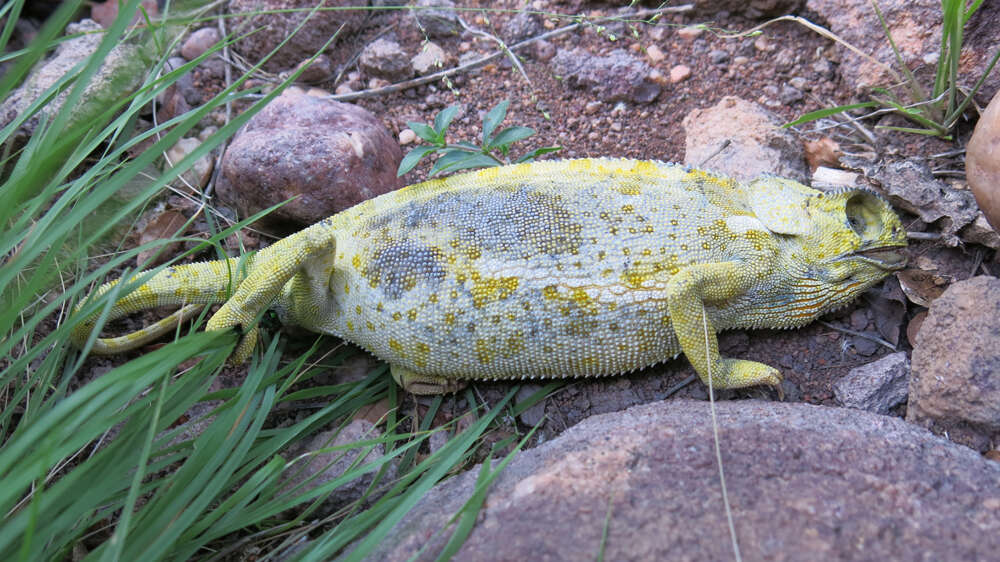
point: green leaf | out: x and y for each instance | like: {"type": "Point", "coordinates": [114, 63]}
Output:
{"type": "Point", "coordinates": [511, 135]}
{"type": "Point", "coordinates": [468, 145]}
{"type": "Point", "coordinates": [426, 132]}
{"type": "Point", "coordinates": [444, 118]}
{"type": "Point", "coordinates": [412, 158]}
{"type": "Point", "coordinates": [460, 160]}
{"type": "Point", "coordinates": [494, 118]}
{"type": "Point", "coordinates": [819, 114]}
{"type": "Point", "coordinates": [536, 153]}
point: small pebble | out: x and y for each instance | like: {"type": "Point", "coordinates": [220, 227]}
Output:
{"type": "Point", "coordinates": [679, 73]}
{"type": "Point", "coordinates": [655, 54]}
{"type": "Point", "coordinates": [406, 136]}
{"type": "Point", "coordinates": [718, 56]}
{"type": "Point", "coordinates": [689, 32]}
{"type": "Point", "coordinates": [592, 107]}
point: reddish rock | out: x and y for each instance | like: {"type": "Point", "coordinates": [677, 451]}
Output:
{"type": "Point", "coordinates": [982, 162]}
{"type": "Point", "coordinates": [757, 143]}
{"type": "Point", "coordinates": [804, 483]}
{"type": "Point", "coordinates": [327, 154]}
{"type": "Point", "coordinates": [199, 41]}
{"type": "Point", "coordinates": [955, 378]}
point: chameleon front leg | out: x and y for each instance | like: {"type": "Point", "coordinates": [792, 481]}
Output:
{"type": "Point", "coordinates": [687, 293]}
{"type": "Point", "coordinates": [273, 267]}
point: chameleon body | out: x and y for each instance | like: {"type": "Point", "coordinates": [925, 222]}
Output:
{"type": "Point", "coordinates": [551, 269]}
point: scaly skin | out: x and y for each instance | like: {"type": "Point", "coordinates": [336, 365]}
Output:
{"type": "Point", "coordinates": [552, 269]}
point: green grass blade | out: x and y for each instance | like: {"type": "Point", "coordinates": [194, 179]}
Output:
{"type": "Point", "coordinates": [826, 112]}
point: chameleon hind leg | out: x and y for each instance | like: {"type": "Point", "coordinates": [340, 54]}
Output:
{"type": "Point", "coordinates": [687, 293]}
{"type": "Point", "coordinates": [308, 251]}
{"type": "Point", "coordinates": [415, 383]}
{"type": "Point", "coordinates": [192, 286]}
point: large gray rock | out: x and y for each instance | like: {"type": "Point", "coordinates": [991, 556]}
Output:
{"type": "Point", "coordinates": [876, 387]}
{"type": "Point", "coordinates": [120, 75]}
{"type": "Point", "coordinates": [330, 155]}
{"type": "Point", "coordinates": [955, 382]}
{"type": "Point", "coordinates": [757, 143]}
{"type": "Point", "coordinates": [804, 482]}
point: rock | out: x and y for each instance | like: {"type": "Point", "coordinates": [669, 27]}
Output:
{"type": "Point", "coordinates": [384, 58]}
{"type": "Point", "coordinates": [916, 29]}
{"type": "Point", "coordinates": [877, 386]}
{"type": "Point", "coordinates": [679, 73]}
{"type": "Point", "coordinates": [911, 186]}
{"type": "Point", "coordinates": [330, 155]}
{"type": "Point", "coordinates": [980, 232]}
{"type": "Point", "coordinates": [431, 58]}
{"type": "Point", "coordinates": [106, 12]}
{"type": "Point", "coordinates": [758, 145]}
{"type": "Point", "coordinates": [275, 27]}
{"type": "Point", "coordinates": [523, 25]}
{"type": "Point", "coordinates": [319, 70]}
{"type": "Point", "coordinates": [789, 95]}
{"type": "Point", "coordinates": [200, 172]}
{"type": "Point", "coordinates": [752, 9]}
{"type": "Point", "coordinates": [804, 482]}
{"type": "Point", "coordinates": [536, 412]}
{"type": "Point", "coordinates": [655, 54]}
{"type": "Point", "coordinates": [199, 42]}
{"type": "Point", "coordinates": [982, 162]}
{"type": "Point", "coordinates": [407, 136]}
{"type": "Point", "coordinates": [437, 18]}
{"type": "Point", "coordinates": [718, 56]}
{"type": "Point", "coordinates": [955, 384]}
{"type": "Point", "coordinates": [689, 33]}
{"type": "Point", "coordinates": [119, 76]}
{"type": "Point", "coordinates": [616, 77]}
{"type": "Point", "coordinates": [324, 467]}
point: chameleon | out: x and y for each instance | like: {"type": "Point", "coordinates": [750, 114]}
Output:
{"type": "Point", "coordinates": [565, 268]}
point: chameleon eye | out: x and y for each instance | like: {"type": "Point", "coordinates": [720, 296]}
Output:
{"type": "Point", "coordinates": [857, 224]}
{"type": "Point", "coordinates": [862, 211]}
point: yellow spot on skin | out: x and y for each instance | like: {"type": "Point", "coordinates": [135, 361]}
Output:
{"type": "Point", "coordinates": [397, 315]}
{"type": "Point", "coordinates": [371, 327]}
{"type": "Point", "coordinates": [489, 290]}
{"type": "Point", "coordinates": [449, 318]}
{"type": "Point", "coordinates": [357, 309]}
{"type": "Point", "coordinates": [356, 262]}
{"type": "Point", "coordinates": [484, 351]}
{"type": "Point", "coordinates": [411, 315]}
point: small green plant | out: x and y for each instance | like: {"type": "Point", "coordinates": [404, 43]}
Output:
{"type": "Point", "coordinates": [494, 151]}
{"type": "Point", "coordinates": [937, 111]}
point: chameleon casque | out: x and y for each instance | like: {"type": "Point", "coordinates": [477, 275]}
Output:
{"type": "Point", "coordinates": [549, 269]}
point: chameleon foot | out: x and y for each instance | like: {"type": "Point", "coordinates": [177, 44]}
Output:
{"type": "Point", "coordinates": [740, 373]}
{"type": "Point", "coordinates": [415, 383]}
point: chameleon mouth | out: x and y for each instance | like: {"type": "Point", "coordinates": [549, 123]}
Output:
{"type": "Point", "coordinates": [885, 257]}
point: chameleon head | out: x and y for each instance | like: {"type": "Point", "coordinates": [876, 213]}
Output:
{"type": "Point", "coordinates": [841, 242]}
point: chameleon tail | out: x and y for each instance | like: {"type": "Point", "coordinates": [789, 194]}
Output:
{"type": "Point", "coordinates": [192, 286]}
